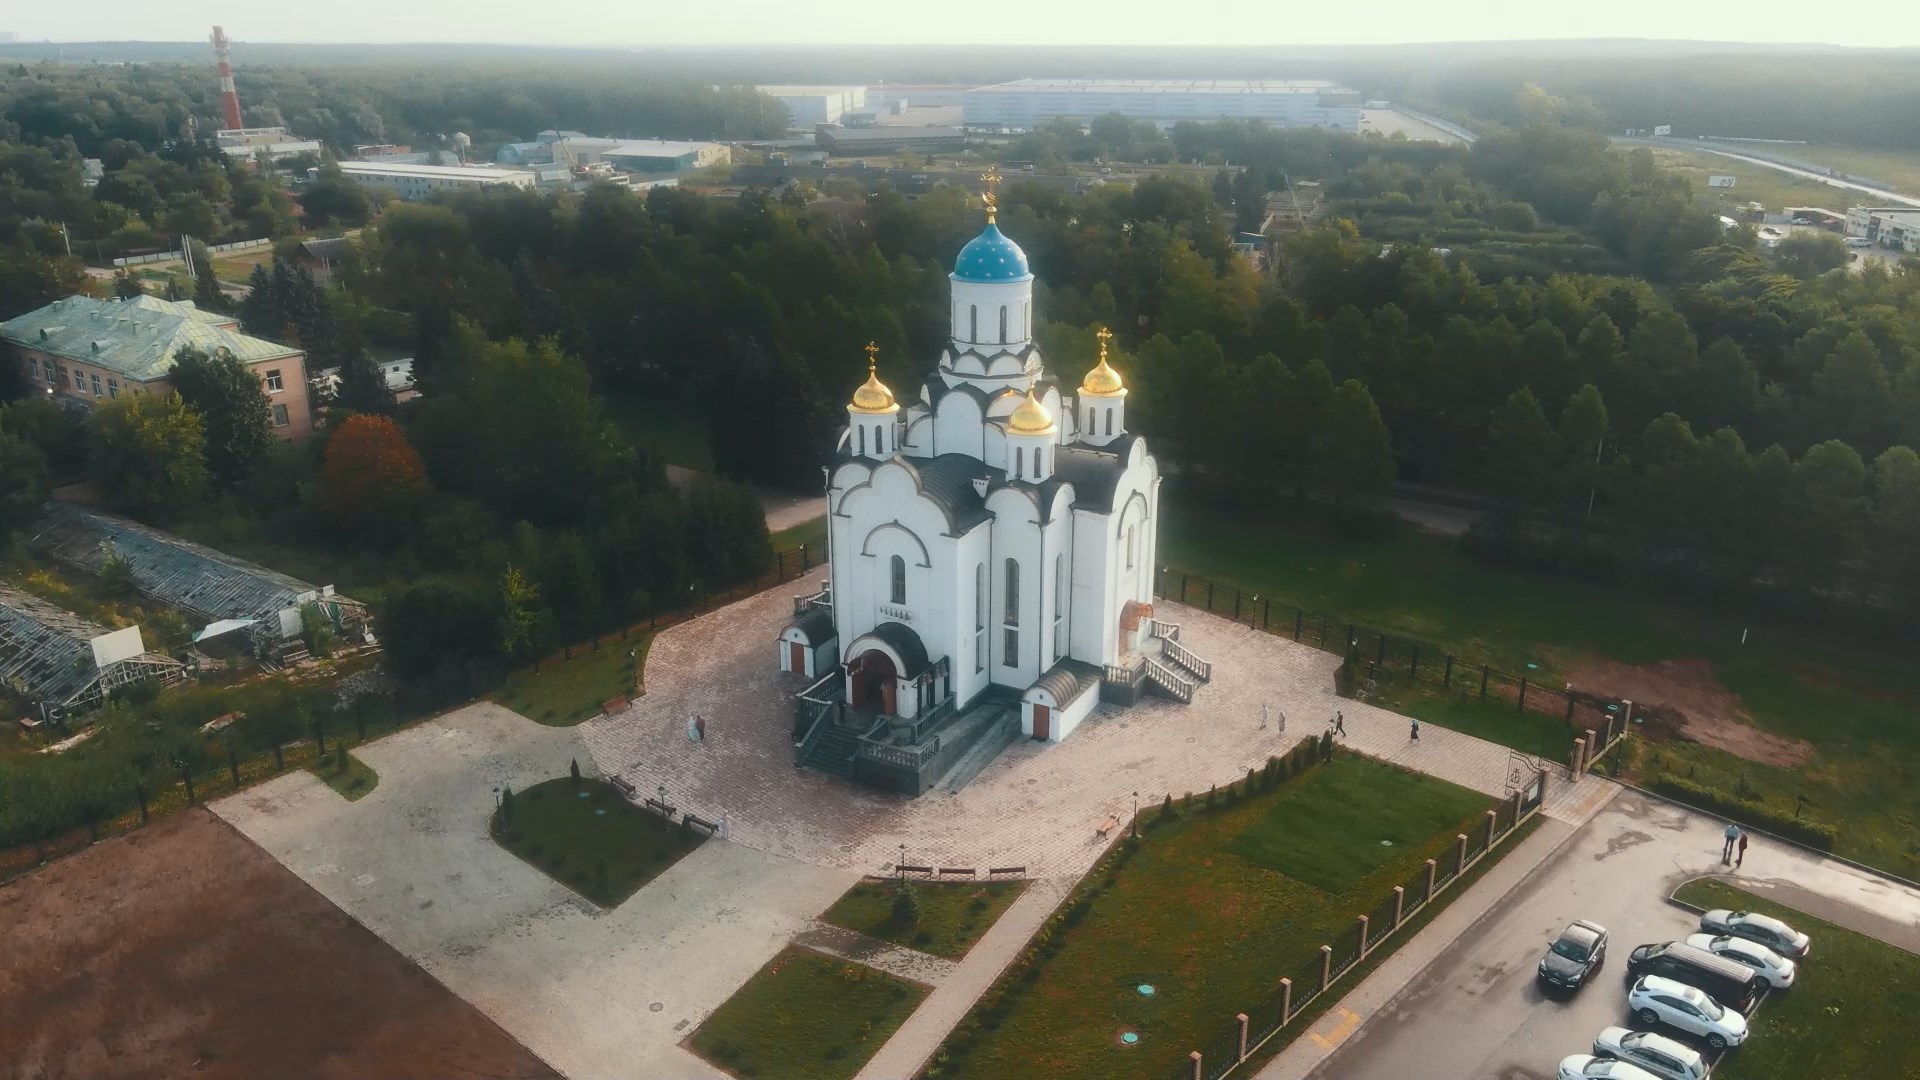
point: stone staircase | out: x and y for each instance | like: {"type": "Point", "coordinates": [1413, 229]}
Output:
{"type": "Point", "coordinates": [994, 734]}
{"type": "Point", "coordinates": [833, 752]}
{"type": "Point", "coordinates": [1177, 671]}
{"type": "Point", "coordinates": [1170, 682]}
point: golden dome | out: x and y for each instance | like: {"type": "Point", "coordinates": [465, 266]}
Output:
{"type": "Point", "coordinates": [1103, 381]}
{"type": "Point", "coordinates": [1031, 418]}
{"type": "Point", "coordinates": [873, 397]}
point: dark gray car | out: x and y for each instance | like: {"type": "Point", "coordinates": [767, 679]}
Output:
{"type": "Point", "coordinates": [1577, 953]}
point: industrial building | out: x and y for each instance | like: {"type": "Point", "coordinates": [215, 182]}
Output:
{"type": "Point", "coordinates": [811, 105]}
{"type": "Point", "coordinates": [60, 664]}
{"type": "Point", "coordinates": [80, 351]}
{"type": "Point", "coordinates": [1887, 226]}
{"type": "Point", "coordinates": [1028, 103]}
{"type": "Point", "coordinates": [918, 95]}
{"type": "Point", "coordinates": [853, 142]}
{"type": "Point", "coordinates": [409, 182]}
{"type": "Point", "coordinates": [223, 593]}
{"type": "Point", "coordinates": [571, 148]}
{"type": "Point", "coordinates": [277, 143]}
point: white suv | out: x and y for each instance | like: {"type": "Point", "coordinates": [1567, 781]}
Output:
{"type": "Point", "coordinates": [1657, 1000]}
{"type": "Point", "coordinates": [1769, 965]}
{"type": "Point", "coordinates": [1657, 1054]}
{"type": "Point", "coordinates": [1588, 1067]}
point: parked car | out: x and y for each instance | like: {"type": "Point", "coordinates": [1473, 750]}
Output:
{"type": "Point", "coordinates": [1769, 965]}
{"type": "Point", "coordinates": [1657, 1054]}
{"type": "Point", "coordinates": [1722, 979]}
{"type": "Point", "coordinates": [1764, 929]}
{"type": "Point", "coordinates": [1588, 1067]}
{"type": "Point", "coordinates": [1657, 1000]}
{"type": "Point", "coordinates": [1577, 953]}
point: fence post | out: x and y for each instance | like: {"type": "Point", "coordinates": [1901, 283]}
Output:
{"type": "Point", "coordinates": [1399, 904]}
{"type": "Point", "coordinates": [1626, 718]}
{"type": "Point", "coordinates": [1483, 682]}
{"type": "Point", "coordinates": [1493, 822]}
{"type": "Point", "coordinates": [233, 767]}
{"type": "Point", "coordinates": [1413, 669]}
{"type": "Point", "coordinates": [1459, 854]}
{"type": "Point", "coordinates": [1326, 967]}
{"type": "Point", "coordinates": [1266, 613]}
{"type": "Point", "coordinates": [1363, 937]}
{"type": "Point", "coordinates": [1516, 812]}
{"type": "Point", "coordinates": [1242, 1017]}
{"type": "Point", "coordinates": [279, 759]}
{"type": "Point", "coordinates": [1298, 617]}
{"type": "Point", "coordinates": [140, 792]}
{"type": "Point", "coordinates": [780, 564]}
{"type": "Point", "coordinates": [1521, 705]}
{"type": "Point", "coordinates": [1209, 597]}
{"type": "Point", "coordinates": [1595, 746]}
{"type": "Point", "coordinates": [1574, 767]}
{"type": "Point", "coordinates": [319, 737]}
{"type": "Point", "coordinates": [186, 774]}
{"type": "Point", "coordinates": [1236, 605]}
{"type": "Point", "coordinates": [1286, 999]}
{"type": "Point", "coordinates": [1432, 869]}
{"type": "Point", "coordinates": [1198, 1073]}
{"type": "Point", "coordinates": [804, 559]}
{"type": "Point", "coordinates": [1569, 706]}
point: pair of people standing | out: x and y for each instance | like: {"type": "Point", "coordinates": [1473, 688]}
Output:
{"type": "Point", "coordinates": [1735, 849]}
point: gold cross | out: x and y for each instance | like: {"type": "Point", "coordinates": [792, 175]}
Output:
{"type": "Point", "coordinates": [1104, 335]}
{"type": "Point", "coordinates": [873, 356]}
{"type": "Point", "coordinates": [990, 197]}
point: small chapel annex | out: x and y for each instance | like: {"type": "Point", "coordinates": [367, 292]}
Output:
{"type": "Point", "coordinates": [991, 553]}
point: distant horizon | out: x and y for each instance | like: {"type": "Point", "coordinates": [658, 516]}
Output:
{"type": "Point", "coordinates": [238, 41]}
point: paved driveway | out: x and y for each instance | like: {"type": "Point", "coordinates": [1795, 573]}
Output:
{"type": "Point", "coordinates": [595, 993]}
{"type": "Point", "coordinates": [1476, 1011]}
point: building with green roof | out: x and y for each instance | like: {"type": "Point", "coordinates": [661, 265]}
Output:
{"type": "Point", "coordinates": [81, 351]}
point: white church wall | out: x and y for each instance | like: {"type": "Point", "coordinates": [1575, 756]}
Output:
{"type": "Point", "coordinates": [1059, 603]}
{"type": "Point", "coordinates": [1097, 611]}
{"type": "Point", "coordinates": [976, 317]}
{"type": "Point", "coordinates": [974, 616]}
{"type": "Point", "coordinates": [1016, 536]}
{"type": "Point", "coordinates": [957, 427]}
{"type": "Point", "coordinates": [886, 519]}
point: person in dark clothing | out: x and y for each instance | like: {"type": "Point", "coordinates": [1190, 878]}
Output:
{"type": "Point", "coordinates": [1340, 723]}
{"type": "Point", "coordinates": [1732, 836]}
{"type": "Point", "coordinates": [1416, 729]}
{"type": "Point", "coordinates": [1742, 856]}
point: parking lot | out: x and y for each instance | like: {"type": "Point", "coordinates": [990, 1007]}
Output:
{"type": "Point", "coordinates": [1477, 1009]}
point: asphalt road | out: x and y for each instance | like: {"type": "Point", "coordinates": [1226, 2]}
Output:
{"type": "Point", "coordinates": [1477, 1010]}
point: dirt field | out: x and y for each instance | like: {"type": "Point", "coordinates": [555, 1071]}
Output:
{"type": "Point", "coordinates": [1693, 706]}
{"type": "Point", "coordinates": [183, 950]}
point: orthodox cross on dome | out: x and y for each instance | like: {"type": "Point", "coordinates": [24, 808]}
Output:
{"type": "Point", "coordinates": [990, 197]}
{"type": "Point", "coordinates": [873, 357]}
{"type": "Point", "coordinates": [1105, 335]}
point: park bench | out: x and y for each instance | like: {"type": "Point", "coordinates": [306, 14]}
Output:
{"type": "Point", "coordinates": [1107, 825]}
{"type": "Point", "coordinates": [623, 785]}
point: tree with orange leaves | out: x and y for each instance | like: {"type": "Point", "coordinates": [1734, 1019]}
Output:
{"type": "Point", "coordinates": [371, 480]}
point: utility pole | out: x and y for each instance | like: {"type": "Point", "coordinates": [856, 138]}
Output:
{"type": "Point", "coordinates": [1593, 485]}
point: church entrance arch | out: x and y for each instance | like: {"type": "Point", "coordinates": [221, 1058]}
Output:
{"type": "Point", "coordinates": [875, 682]}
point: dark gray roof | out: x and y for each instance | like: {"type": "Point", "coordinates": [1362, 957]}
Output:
{"type": "Point", "coordinates": [907, 643]}
{"type": "Point", "coordinates": [329, 250]}
{"type": "Point", "coordinates": [1094, 472]}
{"type": "Point", "coordinates": [948, 481]}
{"type": "Point", "coordinates": [816, 625]}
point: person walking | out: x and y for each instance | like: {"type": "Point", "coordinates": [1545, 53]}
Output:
{"type": "Point", "coordinates": [1732, 836]}
{"type": "Point", "coordinates": [1416, 729]}
{"type": "Point", "coordinates": [1741, 856]}
{"type": "Point", "coordinates": [1340, 724]}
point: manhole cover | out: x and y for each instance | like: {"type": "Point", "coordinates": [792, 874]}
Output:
{"type": "Point", "coordinates": [600, 813]}
{"type": "Point", "coordinates": [584, 794]}
{"type": "Point", "coordinates": [1129, 1037]}
{"type": "Point", "coordinates": [1145, 989]}
{"type": "Point", "coordinates": [655, 1007]}
{"type": "Point", "coordinates": [1386, 843]}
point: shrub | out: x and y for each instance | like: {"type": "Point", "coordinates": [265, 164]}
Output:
{"type": "Point", "coordinates": [506, 804]}
{"type": "Point", "coordinates": [1166, 808]}
{"type": "Point", "coordinates": [1816, 834]}
{"type": "Point", "coordinates": [906, 904]}
{"type": "Point", "coordinates": [573, 772]}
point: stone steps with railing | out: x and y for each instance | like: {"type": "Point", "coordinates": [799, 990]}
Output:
{"type": "Point", "coordinates": [1170, 682]}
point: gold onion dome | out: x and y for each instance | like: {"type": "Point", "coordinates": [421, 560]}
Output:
{"type": "Point", "coordinates": [1031, 418]}
{"type": "Point", "coordinates": [1103, 381]}
{"type": "Point", "coordinates": [873, 397]}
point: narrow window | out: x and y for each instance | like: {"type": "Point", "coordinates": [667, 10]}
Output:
{"type": "Point", "coordinates": [63, 376]}
{"type": "Point", "coordinates": [1019, 460]}
{"type": "Point", "coordinates": [1010, 650]}
{"type": "Point", "coordinates": [1003, 324]}
{"type": "Point", "coordinates": [899, 585]}
{"type": "Point", "coordinates": [973, 322]}
{"type": "Point", "coordinates": [95, 376]}
{"type": "Point", "coordinates": [113, 388]}
{"type": "Point", "coordinates": [861, 430]}
{"type": "Point", "coordinates": [1129, 547]}
{"type": "Point", "coordinates": [1060, 584]}
{"type": "Point", "coordinates": [1109, 421]}
{"type": "Point", "coordinates": [274, 385]}
{"type": "Point", "coordinates": [280, 416]}
{"type": "Point", "coordinates": [980, 617]}
{"type": "Point", "coordinates": [1012, 617]}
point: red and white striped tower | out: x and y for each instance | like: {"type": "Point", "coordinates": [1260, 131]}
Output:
{"type": "Point", "coordinates": [229, 99]}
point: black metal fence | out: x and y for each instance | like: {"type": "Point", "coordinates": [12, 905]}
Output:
{"type": "Point", "coordinates": [1389, 658]}
{"type": "Point", "coordinates": [1221, 1053]}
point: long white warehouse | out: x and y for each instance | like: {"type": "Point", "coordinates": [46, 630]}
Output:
{"type": "Point", "coordinates": [1028, 103]}
{"type": "Point", "coordinates": [421, 181]}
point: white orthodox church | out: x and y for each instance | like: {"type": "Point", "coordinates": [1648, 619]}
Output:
{"type": "Point", "coordinates": [997, 535]}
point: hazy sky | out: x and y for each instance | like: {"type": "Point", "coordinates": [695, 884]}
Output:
{"type": "Point", "coordinates": [1041, 22]}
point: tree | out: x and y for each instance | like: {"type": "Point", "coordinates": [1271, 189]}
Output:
{"type": "Point", "coordinates": [1826, 509]}
{"type": "Point", "coordinates": [371, 481]}
{"type": "Point", "coordinates": [1353, 453]}
{"type": "Point", "coordinates": [906, 903]}
{"type": "Point", "coordinates": [433, 625]}
{"type": "Point", "coordinates": [1895, 521]}
{"type": "Point", "coordinates": [233, 407]}
{"type": "Point", "coordinates": [1810, 254]}
{"type": "Point", "coordinates": [1852, 397]}
{"type": "Point", "coordinates": [23, 482]}
{"type": "Point", "coordinates": [149, 453]}
{"type": "Point", "coordinates": [522, 616]}
{"type": "Point", "coordinates": [126, 286]}
{"type": "Point", "coordinates": [1523, 453]}
{"type": "Point", "coordinates": [1583, 428]}
{"type": "Point", "coordinates": [363, 387]}
{"type": "Point", "coordinates": [570, 583]}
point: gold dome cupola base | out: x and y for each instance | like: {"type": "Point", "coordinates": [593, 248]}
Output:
{"type": "Point", "coordinates": [873, 398]}
{"type": "Point", "coordinates": [1031, 417]}
{"type": "Point", "coordinates": [1103, 381]}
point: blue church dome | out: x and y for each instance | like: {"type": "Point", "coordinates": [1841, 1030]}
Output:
{"type": "Point", "coordinates": [991, 257]}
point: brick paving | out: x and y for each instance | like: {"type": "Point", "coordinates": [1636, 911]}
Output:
{"type": "Point", "coordinates": [874, 953]}
{"type": "Point", "coordinates": [1037, 805]}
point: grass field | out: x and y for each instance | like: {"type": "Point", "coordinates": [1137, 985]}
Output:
{"type": "Point", "coordinates": [589, 838]}
{"type": "Point", "coordinates": [1492, 719]}
{"type": "Point", "coordinates": [1855, 707]}
{"type": "Point", "coordinates": [675, 431]}
{"type": "Point", "coordinates": [236, 266]}
{"type": "Point", "coordinates": [812, 533]}
{"type": "Point", "coordinates": [953, 914]}
{"type": "Point", "coordinates": [1850, 1012]}
{"type": "Point", "coordinates": [1900, 171]}
{"type": "Point", "coordinates": [1210, 930]}
{"type": "Point", "coordinates": [565, 692]}
{"type": "Point", "coordinates": [1752, 183]}
{"type": "Point", "coordinates": [806, 1017]}
{"type": "Point", "coordinates": [355, 782]}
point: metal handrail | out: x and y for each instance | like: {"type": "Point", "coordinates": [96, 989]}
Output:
{"type": "Point", "coordinates": [804, 748]}
{"type": "Point", "coordinates": [1186, 658]}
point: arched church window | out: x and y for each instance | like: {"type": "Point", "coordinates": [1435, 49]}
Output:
{"type": "Point", "coordinates": [1060, 584]}
{"type": "Point", "coordinates": [1019, 460]}
{"type": "Point", "coordinates": [1129, 547]}
{"type": "Point", "coordinates": [973, 322]}
{"type": "Point", "coordinates": [1109, 421]}
{"type": "Point", "coordinates": [1013, 593]}
{"type": "Point", "coordinates": [1003, 324]}
{"type": "Point", "coordinates": [860, 431]}
{"type": "Point", "coordinates": [898, 590]}
{"type": "Point", "coordinates": [980, 617]}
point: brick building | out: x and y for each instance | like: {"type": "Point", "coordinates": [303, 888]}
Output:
{"type": "Point", "coordinates": [81, 350]}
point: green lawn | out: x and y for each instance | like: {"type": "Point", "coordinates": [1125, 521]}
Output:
{"type": "Point", "coordinates": [1896, 168]}
{"type": "Point", "coordinates": [1209, 929]}
{"type": "Point", "coordinates": [806, 1017]}
{"type": "Point", "coordinates": [355, 782]}
{"type": "Point", "coordinates": [1752, 183]}
{"type": "Point", "coordinates": [811, 533]}
{"type": "Point", "coordinates": [1855, 706]}
{"type": "Point", "coordinates": [675, 431]}
{"type": "Point", "coordinates": [953, 914]}
{"type": "Point", "coordinates": [565, 692]}
{"type": "Point", "coordinates": [1348, 822]}
{"type": "Point", "coordinates": [1493, 718]}
{"type": "Point", "coordinates": [590, 839]}
{"type": "Point", "coordinates": [1849, 1014]}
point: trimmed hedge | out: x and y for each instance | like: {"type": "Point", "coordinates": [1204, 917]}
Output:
{"type": "Point", "coordinates": [1816, 834]}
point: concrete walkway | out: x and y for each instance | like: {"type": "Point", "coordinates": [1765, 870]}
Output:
{"type": "Point", "coordinates": [927, 1028]}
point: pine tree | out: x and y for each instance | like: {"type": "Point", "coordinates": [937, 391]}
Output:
{"type": "Point", "coordinates": [573, 772]}
{"type": "Point", "coordinates": [506, 803]}
{"type": "Point", "coordinates": [906, 904]}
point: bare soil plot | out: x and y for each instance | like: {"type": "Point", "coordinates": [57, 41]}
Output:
{"type": "Point", "coordinates": [185, 950]}
{"type": "Point", "coordinates": [1687, 701]}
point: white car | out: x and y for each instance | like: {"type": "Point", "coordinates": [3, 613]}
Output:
{"type": "Point", "coordinates": [1769, 965]}
{"type": "Point", "coordinates": [1588, 1067]}
{"type": "Point", "coordinates": [1657, 1054]}
{"type": "Point", "coordinates": [1764, 929]}
{"type": "Point", "coordinates": [1657, 1000]}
